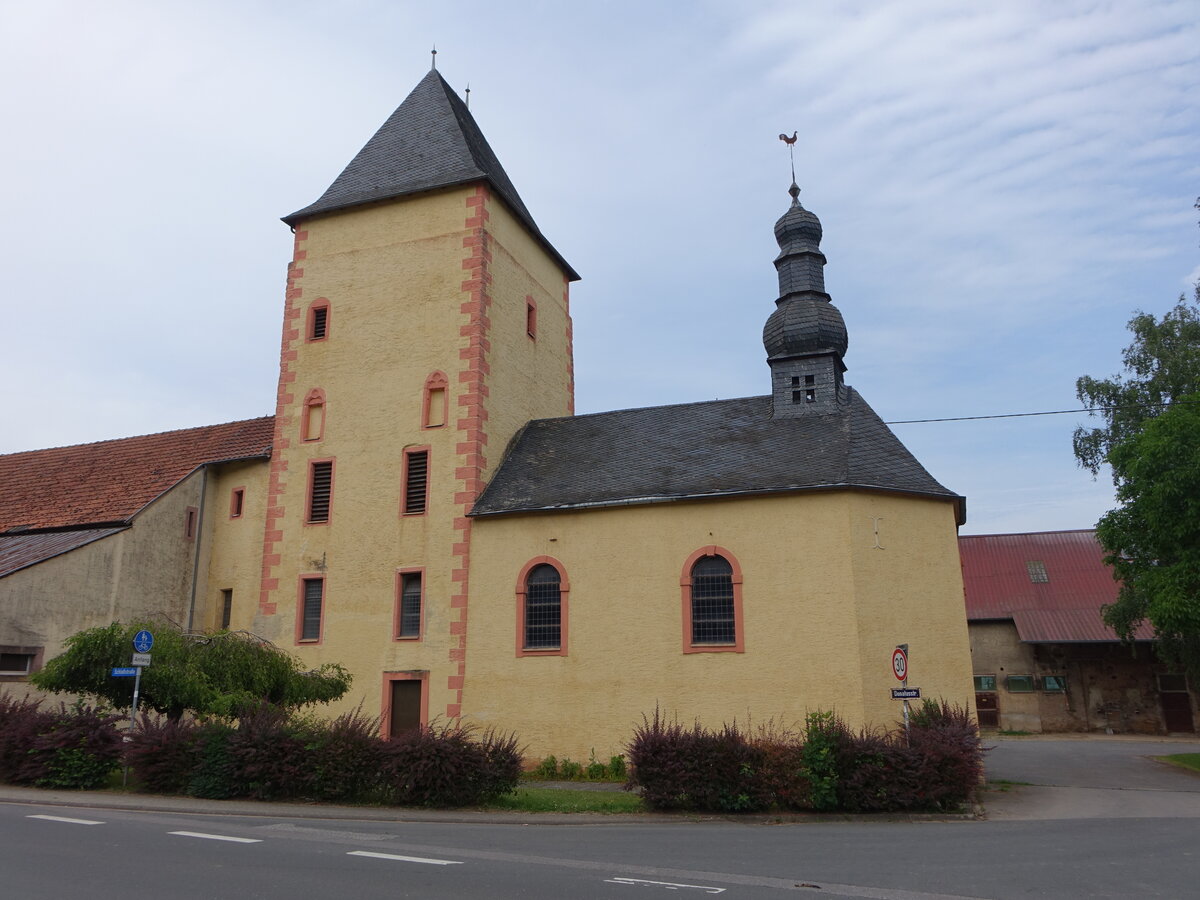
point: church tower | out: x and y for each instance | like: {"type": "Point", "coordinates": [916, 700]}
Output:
{"type": "Point", "coordinates": [805, 336]}
{"type": "Point", "coordinates": [426, 321]}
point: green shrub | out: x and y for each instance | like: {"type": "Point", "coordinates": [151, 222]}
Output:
{"type": "Point", "coordinates": [596, 770]}
{"type": "Point", "coordinates": [213, 778]}
{"type": "Point", "coordinates": [547, 769]}
{"type": "Point", "coordinates": [825, 739]}
{"type": "Point", "coordinates": [569, 770]}
{"type": "Point", "coordinates": [616, 768]}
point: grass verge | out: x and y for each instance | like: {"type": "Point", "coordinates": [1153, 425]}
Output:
{"type": "Point", "coordinates": [1183, 760]}
{"type": "Point", "coordinates": [528, 798]}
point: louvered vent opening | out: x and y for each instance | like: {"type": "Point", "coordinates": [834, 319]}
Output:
{"type": "Point", "coordinates": [320, 492]}
{"type": "Point", "coordinates": [416, 482]}
{"type": "Point", "coordinates": [320, 318]}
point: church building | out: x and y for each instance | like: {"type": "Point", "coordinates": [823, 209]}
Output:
{"type": "Point", "coordinates": [425, 508]}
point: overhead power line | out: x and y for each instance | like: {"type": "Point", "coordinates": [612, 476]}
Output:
{"type": "Point", "coordinates": [1051, 412]}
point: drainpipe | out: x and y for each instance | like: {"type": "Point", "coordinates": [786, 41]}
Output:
{"type": "Point", "coordinates": [199, 536]}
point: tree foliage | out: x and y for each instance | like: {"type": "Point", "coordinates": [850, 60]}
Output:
{"type": "Point", "coordinates": [207, 674]}
{"type": "Point", "coordinates": [1162, 364]}
{"type": "Point", "coordinates": [1153, 539]}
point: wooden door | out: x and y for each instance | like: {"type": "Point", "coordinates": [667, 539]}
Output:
{"type": "Point", "coordinates": [987, 704]}
{"type": "Point", "coordinates": [405, 711]}
{"type": "Point", "coordinates": [1177, 710]}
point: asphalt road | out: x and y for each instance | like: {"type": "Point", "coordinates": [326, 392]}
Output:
{"type": "Point", "coordinates": [275, 852]}
{"type": "Point", "coordinates": [1089, 778]}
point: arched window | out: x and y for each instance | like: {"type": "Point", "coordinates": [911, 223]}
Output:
{"type": "Point", "coordinates": [712, 602]}
{"type": "Point", "coordinates": [542, 609]}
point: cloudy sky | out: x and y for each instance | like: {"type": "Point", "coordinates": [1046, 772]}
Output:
{"type": "Point", "coordinates": [1001, 186]}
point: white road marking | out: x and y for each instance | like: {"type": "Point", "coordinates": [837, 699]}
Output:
{"type": "Point", "coordinates": [669, 885]}
{"type": "Point", "coordinates": [216, 837]}
{"type": "Point", "coordinates": [416, 859]}
{"type": "Point", "coordinates": [65, 819]}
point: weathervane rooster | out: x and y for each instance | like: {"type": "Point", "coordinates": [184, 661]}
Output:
{"type": "Point", "coordinates": [791, 141]}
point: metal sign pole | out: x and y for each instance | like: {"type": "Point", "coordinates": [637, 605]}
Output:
{"type": "Point", "coordinates": [137, 684]}
{"type": "Point", "coordinates": [904, 683]}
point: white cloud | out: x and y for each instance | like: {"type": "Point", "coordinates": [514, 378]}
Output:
{"type": "Point", "coordinates": [1000, 185]}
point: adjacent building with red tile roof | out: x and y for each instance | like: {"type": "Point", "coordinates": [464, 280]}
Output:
{"type": "Point", "coordinates": [123, 530]}
{"type": "Point", "coordinates": [109, 482]}
{"type": "Point", "coordinates": [1043, 658]}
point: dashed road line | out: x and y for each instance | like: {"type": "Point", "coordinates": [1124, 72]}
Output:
{"type": "Point", "coordinates": [66, 819]}
{"type": "Point", "coordinates": [413, 859]}
{"type": "Point", "coordinates": [669, 885]}
{"type": "Point", "coordinates": [217, 837]}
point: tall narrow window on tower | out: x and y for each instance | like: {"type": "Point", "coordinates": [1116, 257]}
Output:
{"type": "Point", "coordinates": [318, 320]}
{"type": "Point", "coordinates": [312, 608]}
{"type": "Point", "coordinates": [320, 490]}
{"type": "Point", "coordinates": [530, 316]}
{"type": "Point", "coordinates": [415, 491]}
{"type": "Point", "coordinates": [408, 611]}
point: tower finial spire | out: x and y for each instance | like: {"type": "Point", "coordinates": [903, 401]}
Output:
{"type": "Point", "coordinates": [791, 144]}
{"type": "Point", "coordinates": [433, 54]}
{"type": "Point", "coordinates": [468, 92]}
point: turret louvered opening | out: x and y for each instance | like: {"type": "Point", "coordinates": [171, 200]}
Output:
{"type": "Point", "coordinates": [320, 491]}
{"type": "Point", "coordinates": [416, 481]}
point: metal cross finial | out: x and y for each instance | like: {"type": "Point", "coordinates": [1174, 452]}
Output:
{"type": "Point", "coordinates": [434, 54]}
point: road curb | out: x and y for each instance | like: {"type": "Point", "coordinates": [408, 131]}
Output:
{"type": "Point", "coordinates": [282, 810]}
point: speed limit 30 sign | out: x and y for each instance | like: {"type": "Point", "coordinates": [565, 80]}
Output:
{"type": "Point", "coordinates": [900, 664]}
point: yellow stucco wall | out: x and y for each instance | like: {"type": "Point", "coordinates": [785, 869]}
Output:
{"type": "Point", "coordinates": [403, 283]}
{"type": "Point", "coordinates": [823, 608]}
{"type": "Point", "coordinates": [529, 379]}
{"type": "Point", "coordinates": [231, 548]}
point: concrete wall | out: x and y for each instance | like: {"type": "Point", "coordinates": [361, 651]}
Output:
{"type": "Point", "coordinates": [144, 572]}
{"type": "Point", "coordinates": [1111, 688]}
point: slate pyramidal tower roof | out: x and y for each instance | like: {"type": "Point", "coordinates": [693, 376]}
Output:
{"type": "Point", "coordinates": [431, 141]}
{"type": "Point", "coordinates": [774, 444]}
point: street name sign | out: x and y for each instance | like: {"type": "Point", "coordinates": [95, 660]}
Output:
{"type": "Point", "coordinates": [141, 659]}
{"type": "Point", "coordinates": [124, 672]}
{"type": "Point", "coordinates": [906, 693]}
